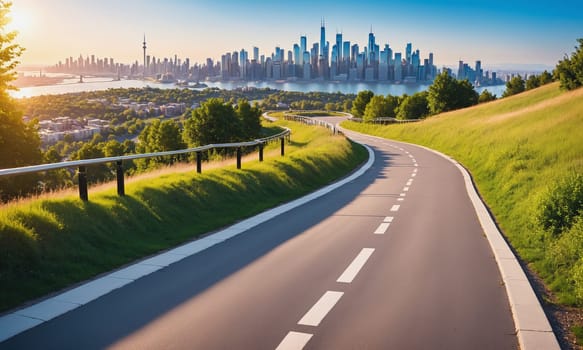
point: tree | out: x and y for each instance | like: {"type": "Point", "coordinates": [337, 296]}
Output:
{"type": "Point", "coordinates": [447, 93]}
{"type": "Point", "coordinates": [378, 107]}
{"type": "Point", "coordinates": [514, 86]}
{"type": "Point", "coordinates": [360, 102]}
{"type": "Point", "coordinates": [19, 141]}
{"type": "Point", "coordinates": [545, 78]}
{"type": "Point", "coordinates": [213, 122]}
{"type": "Point", "coordinates": [347, 106]}
{"type": "Point", "coordinates": [569, 70]}
{"type": "Point", "coordinates": [532, 82]}
{"type": "Point", "coordinates": [250, 120]}
{"type": "Point", "coordinates": [486, 96]}
{"type": "Point", "coordinates": [415, 106]}
{"type": "Point", "coordinates": [160, 136]}
{"type": "Point", "coordinates": [97, 172]}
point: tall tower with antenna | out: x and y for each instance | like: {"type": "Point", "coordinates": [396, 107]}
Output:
{"type": "Point", "coordinates": [144, 47]}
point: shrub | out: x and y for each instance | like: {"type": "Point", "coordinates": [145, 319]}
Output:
{"type": "Point", "coordinates": [561, 204]}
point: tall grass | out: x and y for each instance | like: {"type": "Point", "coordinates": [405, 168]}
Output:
{"type": "Point", "coordinates": [516, 149]}
{"type": "Point", "coordinates": [54, 241]}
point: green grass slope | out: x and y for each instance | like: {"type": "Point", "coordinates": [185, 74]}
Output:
{"type": "Point", "coordinates": [50, 243]}
{"type": "Point", "coordinates": [519, 150]}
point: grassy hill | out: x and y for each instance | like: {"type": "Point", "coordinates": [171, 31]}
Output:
{"type": "Point", "coordinates": [525, 153]}
{"type": "Point", "coordinates": [52, 242]}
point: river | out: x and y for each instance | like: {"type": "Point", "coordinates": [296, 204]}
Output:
{"type": "Point", "coordinates": [96, 84]}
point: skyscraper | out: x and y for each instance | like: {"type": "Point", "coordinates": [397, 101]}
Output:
{"type": "Point", "coordinates": [322, 38]}
{"type": "Point", "coordinates": [371, 47]}
{"type": "Point", "coordinates": [303, 47]}
{"type": "Point", "coordinates": [339, 46]}
{"type": "Point", "coordinates": [144, 47]}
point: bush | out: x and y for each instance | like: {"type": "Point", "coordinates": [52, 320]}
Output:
{"type": "Point", "coordinates": [561, 204]}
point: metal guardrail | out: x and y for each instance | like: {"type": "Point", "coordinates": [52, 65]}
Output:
{"type": "Point", "coordinates": [82, 164]}
{"type": "Point", "coordinates": [311, 121]}
{"type": "Point", "coordinates": [385, 120]}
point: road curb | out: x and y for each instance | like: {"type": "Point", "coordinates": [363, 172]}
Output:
{"type": "Point", "coordinates": [29, 317]}
{"type": "Point", "coordinates": [532, 326]}
{"type": "Point", "coordinates": [533, 329]}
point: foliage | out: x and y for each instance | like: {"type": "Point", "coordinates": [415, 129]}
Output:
{"type": "Point", "coordinates": [545, 78]}
{"type": "Point", "coordinates": [447, 93]}
{"type": "Point", "coordinates": [19, 141]}
{"type": "Point", "coordinates": [514, 86]}
{"type": "Point", "coordinates": [50, 243]}
{"type": "Point", "coordinates": [97, 172]}
{"type": "Point", "coordinates": [569, 71]}
{"type": "Point", "coordinates": [413, 107]}
{"type": "Point", "coordinates": [313, 100]}
{"type": "Point", "coordinates": [561, 204]}
{"type": "Point", "coordinates": [379, 107]}
{"type": "Point", "coordinates": [159, 136]}
{"type": "Point", "coordinates": [360, 102]}
{"type": "Point", "coordinates": [249, 119]}
{"type": "Point", "coordinates": [532, 82]}
{"type": "Point", "coordinates": [214, 121]}
{"type": "Point", "coordinates": [486, 96]}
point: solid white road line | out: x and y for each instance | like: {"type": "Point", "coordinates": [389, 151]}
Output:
{"type": "Point", "coordinates": [356, 265]}
{"type": "Point", "coordinates": [388, 219]}
{"type": "Point", "coordinates": [382, 228]}
{"type": "Point", "coordinates": [321, 309]}
{"type": "Point", "coordinates": [395, 207]}
{"type": "Point", "coordinates": [294, 341]}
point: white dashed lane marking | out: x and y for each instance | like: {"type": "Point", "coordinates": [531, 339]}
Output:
{"type": "Point", "coordinates": [388, 219]}
{"type": "Point", "coordinates": [382, 228]}
{"type": "Point", "coordinates": [294, 341]}
{"type": "Point", "coordinates": [395, 207]}
{"type": "Point", "coordinates": [356, 265]}
{"type": "Point", "coordinates": [321, 309]}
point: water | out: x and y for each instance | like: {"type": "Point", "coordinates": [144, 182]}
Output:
{"type": "Point", "coordinates": [97, 84]}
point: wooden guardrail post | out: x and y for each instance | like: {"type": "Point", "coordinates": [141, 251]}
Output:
{"type": "Point", "coordinates": [198, 162]}
{"type": "Point", "coordinates": [120, 179]}
{"type": "Point", "coordinates": [238, 157]}
{"type": "Point", "coordinates": [283, 146]}
{"type": "Point", "coordinates": [82, 174]}
{"type": "Point", "coordinates": [261, 152]}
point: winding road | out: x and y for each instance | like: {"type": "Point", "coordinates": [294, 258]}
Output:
{"type": "Point", "coordinates": [395, 259]}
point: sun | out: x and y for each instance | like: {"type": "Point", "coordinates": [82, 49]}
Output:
{"type": "Point", "coordinates": [20, 21]}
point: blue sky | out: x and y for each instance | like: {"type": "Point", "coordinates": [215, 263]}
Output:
{"type": "Point", "coordinates": [497, 32]}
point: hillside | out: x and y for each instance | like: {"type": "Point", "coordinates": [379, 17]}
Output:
{"type": "Point", "coordinates": [525, 153]}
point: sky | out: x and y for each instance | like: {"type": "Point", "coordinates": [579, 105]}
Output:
{"type": "Point", "coordinates": [497, 32]}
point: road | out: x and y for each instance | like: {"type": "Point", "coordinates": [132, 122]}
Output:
{"type": "Point", "coordinates": [395, 259]}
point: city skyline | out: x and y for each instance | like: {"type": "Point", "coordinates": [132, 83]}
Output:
{"type": "Point", "coordinates": [497, 33]}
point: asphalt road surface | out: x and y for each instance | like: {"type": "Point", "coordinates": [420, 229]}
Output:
{"type": "Point", "coordinates": [393, 260]}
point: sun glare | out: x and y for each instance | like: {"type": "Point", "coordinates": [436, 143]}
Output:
{"type": "Point", "coordinates": [20, 21]}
